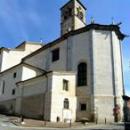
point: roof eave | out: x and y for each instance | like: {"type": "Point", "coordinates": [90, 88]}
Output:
{"type": "Point", "coordinates": [89, 27]}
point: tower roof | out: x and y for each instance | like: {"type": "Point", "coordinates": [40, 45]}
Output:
{"type": "Point", "coordinates": [73, 1]}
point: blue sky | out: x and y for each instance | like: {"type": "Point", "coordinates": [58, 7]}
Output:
{"type": "Point", "coordinates": [32, 20]}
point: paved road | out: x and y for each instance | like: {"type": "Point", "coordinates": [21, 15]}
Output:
{"type": "Point", "coordinates": [6, 125]}
{"type": "Point", "coordinates": [83, 128]}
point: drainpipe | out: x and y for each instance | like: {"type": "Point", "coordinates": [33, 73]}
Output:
{"type": "Point", "coordinates": [67, 51]}
{"type": "Point", "coordinates": [21, 111]}
{"type": "Point", "coordinates": [44, 98]}
{"type": "Point", "coordinates": [93, 104]}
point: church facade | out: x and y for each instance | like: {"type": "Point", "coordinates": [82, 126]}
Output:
{"type": "Point", "coordinates": [78, 75]}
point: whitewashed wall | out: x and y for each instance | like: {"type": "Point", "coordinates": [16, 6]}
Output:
{"type": "Point", "coordinates": [43, 59]}
{"type": "Point", "coordinates": [81, 52]}
{"type": "Point", "coordinates": [58, 96]}
{"type": "Point", "coordinates": [10, 82]}
{"type": "Point", "coordinates": [118, 71]}
{"type": "Point", "coordinates": [94, 48]}
{"type": "Point", "coordinates": [13, 57]}
{"type": "Point", "coordinates": [107, 73]}
{"type": "Point", "coordinates": [73, 50]}
{"type": "Point", "coordinates": [52, 89]}
{"type": "Point", "coordinates": [22, 73]}
{"type": "Point", "coordinates": [28, 72]}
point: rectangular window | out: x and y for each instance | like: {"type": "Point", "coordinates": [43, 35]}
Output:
{"type": "Point", "coordinates": [55, 55]}
{"type": "Point", "coordinates": [14, 75]}
{"type": "Point", "coordinates": [66, 103]}
{"type": "Point", "coordinates": [65, 85]}
{"type": "Point", "coordinates": [83, 107]}
{"type": "Point", "coordinates": [3, 87]}
{"type": "Point", "coordinates": [13, 91]}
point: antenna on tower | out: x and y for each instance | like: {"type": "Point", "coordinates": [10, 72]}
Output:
{"type": "Point", "coordinates": [92, 20]}
{"type": "Point", "coordinates": [41, 41]}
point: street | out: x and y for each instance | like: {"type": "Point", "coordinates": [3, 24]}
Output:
{"type": "Point", "coordinates": [6, 125]}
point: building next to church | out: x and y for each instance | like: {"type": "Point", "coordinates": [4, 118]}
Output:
{"type": "Point", "coordinates": [79, 75]}
{"type": "Point", "coordinates": [126, 108]}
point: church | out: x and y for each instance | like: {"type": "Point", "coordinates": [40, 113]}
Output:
{"type": "Point", "coordinates": [77, 76]}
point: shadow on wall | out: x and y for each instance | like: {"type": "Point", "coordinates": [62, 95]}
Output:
{"type": "Point", "coordinates": [6, 111]}
{"type": "Point", "coordinates": [3, 109]}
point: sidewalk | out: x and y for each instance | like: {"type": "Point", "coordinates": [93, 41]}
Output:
{"type": "Point", "coordinates": [31, 123]}
{"type": "Point", "coordinates": [39, 123]}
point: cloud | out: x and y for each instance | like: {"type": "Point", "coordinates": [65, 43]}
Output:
{"type": "Point", "coordinates": [19, 18]}
{"type": "Point", "coordinates": [11, 18]}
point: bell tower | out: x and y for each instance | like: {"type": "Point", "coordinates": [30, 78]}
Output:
{"type": "Point", "coordinates": [72, 16]}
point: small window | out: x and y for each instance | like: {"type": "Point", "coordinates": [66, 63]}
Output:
{"type": "Point", "coordinates": [65, 17]}
{"type": "Point", "coordinates": [14, 75]}
{"type": "Point", "coordinates": [83, 107]}
{"type": "Point", "coordinates": [66, 103]}
{"type": "Point", "coordinates": [65, 85]}
{"type": "Point", "coordinates": [3, 87]}
{"type": "Point", "coordinates": [80, 13]}
{"type": "Point", "coordinates": [13, 91]}
{"type": "Point", "coordinates": [55, 55]}
{"type": "Point", "coordinates": [70, 11]}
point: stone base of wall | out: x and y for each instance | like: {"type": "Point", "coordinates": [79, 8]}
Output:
{"type": "Point", "coordinates": [33, 106]}
{"type": "Point", "coordinates": [104, 109]}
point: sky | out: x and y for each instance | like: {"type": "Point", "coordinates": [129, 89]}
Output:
{"type": "Point", "coordinates": [33, 20]}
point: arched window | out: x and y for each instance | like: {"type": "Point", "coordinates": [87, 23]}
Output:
{"type": "Point", "coordinates": [82, 74]}
{"type": "Point", "coordinates": [66, 103]}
